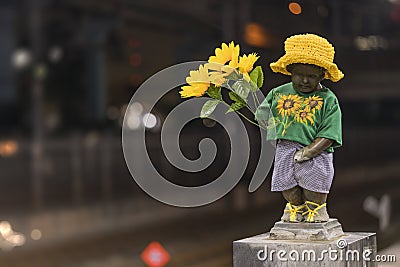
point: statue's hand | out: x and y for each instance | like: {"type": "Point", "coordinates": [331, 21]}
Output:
{"type": "Point", "coordinates": [312, 150]}
{"type": "Point", "coordinates": [301, 155]}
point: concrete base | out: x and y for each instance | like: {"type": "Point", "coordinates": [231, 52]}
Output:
{"type": "Point", "coordinates": [307, 231]}
{"type": "Point", "coordinates": [351, 249]}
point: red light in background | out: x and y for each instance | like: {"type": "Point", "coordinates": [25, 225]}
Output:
{"type": "Point", "coordinates": [155, 255]}
{"type": "Point", "coordinates": [395, 13]}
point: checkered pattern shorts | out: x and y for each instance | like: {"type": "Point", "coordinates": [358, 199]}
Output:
{"type": "Point", "coordinates": [315, 174]}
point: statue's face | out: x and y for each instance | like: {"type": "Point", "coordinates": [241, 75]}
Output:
{"type": "Point", "coordinates": [306, 77]}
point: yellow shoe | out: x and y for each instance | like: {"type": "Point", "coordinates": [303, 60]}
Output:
{"type": "Point", "coordinates": [315, 212]}
{"type": "Point", "coordinates": [293, 213]}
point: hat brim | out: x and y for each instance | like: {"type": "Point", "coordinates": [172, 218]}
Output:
{"type": "Point", "coordinates": [332, 71]}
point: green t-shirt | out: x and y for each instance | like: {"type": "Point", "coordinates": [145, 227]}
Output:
{"type": "Point", "coordinates": [302, 117]}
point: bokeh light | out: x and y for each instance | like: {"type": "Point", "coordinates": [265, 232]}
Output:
{"type": "Point", "coordinates": [36, 234]}
{"type": "Point", "coordinates": [295, 8]}
{"type": "Point", "coordinates": [255, 35]}
{"type": "Point", "coordinates": [149, 120]}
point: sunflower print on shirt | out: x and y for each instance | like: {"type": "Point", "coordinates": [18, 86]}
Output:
{"type": "Point", "coordinates": [293, 108]}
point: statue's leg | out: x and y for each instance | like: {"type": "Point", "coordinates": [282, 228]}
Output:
{"type": "Point", "coordinates": [319, 198]}
{"type": "Point", "coordinates": [294, 195]}
{"type": "Point", "coordinates": [316, 206]}
{"type": "Point", "coordinates": [295, 206]}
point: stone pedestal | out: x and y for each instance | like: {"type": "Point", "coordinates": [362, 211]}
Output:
{"type": "Point", "coordinates": [307, 231]}
{"type": "Point", "coordinates": [350, 249]}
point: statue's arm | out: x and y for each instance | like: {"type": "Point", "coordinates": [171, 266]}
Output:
{"type": "Point", "coordinates": [312, 150]}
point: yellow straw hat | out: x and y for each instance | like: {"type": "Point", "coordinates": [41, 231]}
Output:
{"type": "Point", "coordinates": [309, 49]}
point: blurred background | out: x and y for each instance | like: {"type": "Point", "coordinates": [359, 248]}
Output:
{"type": "Point", "coordinates": [68, 69]}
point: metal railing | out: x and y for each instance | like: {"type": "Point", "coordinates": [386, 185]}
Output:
{"type": "Point", "coordinates": [83, 168]}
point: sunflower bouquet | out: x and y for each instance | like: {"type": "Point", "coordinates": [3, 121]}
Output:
{"type": "Point", "coordinates": [226, 70]}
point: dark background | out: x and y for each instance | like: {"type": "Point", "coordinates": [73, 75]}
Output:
{"type": "Point", "coordinates": [68, 69]}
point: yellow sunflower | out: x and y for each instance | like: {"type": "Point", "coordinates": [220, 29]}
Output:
{"type": "Point", "coordinates": [314, 102]}
{"type": "Point", "coordinates": [288, 104]}
{"type": "Point", "coordinates": [304, 115]}
{"type": "Point", "coordinates": [246, 63]}
{"type": "Point", "coordinates": [226, 53]}
{"type": "Point", "coordinates": [198, 81]}
{"type": "Point", "coordinates": [217, 78]}
{"type": "Point", "coordinates": [220, 68]}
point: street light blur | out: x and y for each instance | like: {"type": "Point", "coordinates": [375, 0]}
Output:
{"type": "Point", "coordinates": [21, 58]}
{"type": "Point", "coordinates": [8, 148]}
{"type": "Point", "coordinates": [9, 238]}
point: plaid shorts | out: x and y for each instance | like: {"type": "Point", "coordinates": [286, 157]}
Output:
{"type": "Point", "coordinates": [315, 174]}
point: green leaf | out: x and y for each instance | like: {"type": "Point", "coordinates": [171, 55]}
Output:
{"type": "Point", "coordinates": [214, 92]}
{"type": "Point", "coordinates": [236, 98]}
{"type": "Point", "coordinates": [238, 102]}
{"type": "Point", "coordinates": [233, 76]}
{"type": "Point", "coordinates": [235, 106]}
{"type": "Point", "coordinates": [253, 86]}
{"type": "Point", "coordinates": [242, 89]}
{"type": "Point", "coordinates": [208, 108]}
{"type": "Point", "coordinates": [257, 76]}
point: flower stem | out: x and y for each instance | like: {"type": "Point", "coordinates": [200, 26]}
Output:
{"type": "Point", "coordinates": [244, 117]}
{"type": "Point", "coordinates": [287, 124]}
{"type": "Point", "coordinates": [290, 122]}
{"type": "Point", "coordinates": [252, 122]}
{"type": "Point", "coordinates": [249, 108]}
{"type": "Point", "coordinates": [284, 123]}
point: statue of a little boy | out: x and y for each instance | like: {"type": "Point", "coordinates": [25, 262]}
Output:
{"type": "Point", "coordinates": [308, 125]}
